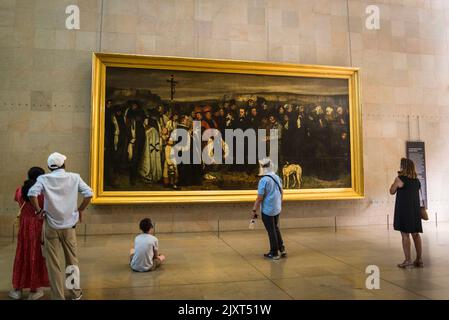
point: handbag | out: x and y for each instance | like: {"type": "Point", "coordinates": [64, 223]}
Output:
{"type": "Point", "coordinates": [423, 210]}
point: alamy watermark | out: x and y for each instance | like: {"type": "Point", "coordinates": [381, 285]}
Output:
{"type": "Point", "coordinates": [72, 22]}
{"type": "Point", "coordinates": [237, 147]}
{"type": "Point", "coordinates": [372, 21]}
{"type": "Point", "coordinates": [373, 280]}
{"type": "Point", "coordinates": [72, 281]}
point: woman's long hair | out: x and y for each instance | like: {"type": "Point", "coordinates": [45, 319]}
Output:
{"type": "Point", "coordinates": [408, 169]}
{"type": "Point", "coordinates": [33, 174]}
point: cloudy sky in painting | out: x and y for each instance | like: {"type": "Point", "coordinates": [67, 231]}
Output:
{"type": "Point", "coordinates": [193, 86]}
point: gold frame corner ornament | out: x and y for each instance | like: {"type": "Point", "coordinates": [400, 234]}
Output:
{"type": "Point", "coordinates": [100, 61]}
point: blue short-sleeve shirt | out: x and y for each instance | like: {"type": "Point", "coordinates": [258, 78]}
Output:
{"type": "Point", "coordinates": [271, 193]}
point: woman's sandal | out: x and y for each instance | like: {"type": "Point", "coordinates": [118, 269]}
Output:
{"type": "Point", "coordinates": [405, 264]}
{"type": "Point", "coordinates": [418, 264]}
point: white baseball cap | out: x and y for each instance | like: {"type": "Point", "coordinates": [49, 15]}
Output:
{"type": "Point", "coordinates": [56, 160]}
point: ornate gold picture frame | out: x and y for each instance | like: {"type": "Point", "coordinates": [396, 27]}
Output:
{"type": "Point", "coordinates": [317, 106]}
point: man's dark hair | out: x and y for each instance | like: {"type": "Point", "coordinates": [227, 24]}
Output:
{"type": "Point", "coordinates": [145, 225]}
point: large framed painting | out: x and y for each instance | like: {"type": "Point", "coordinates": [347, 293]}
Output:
{"type": "Point", "coordinates": [168, 129]}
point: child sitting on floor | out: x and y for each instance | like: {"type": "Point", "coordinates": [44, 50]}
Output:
{"type": "Point", "coordinates": [144, 256]}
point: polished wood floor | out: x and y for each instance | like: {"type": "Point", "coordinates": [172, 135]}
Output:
{"type": "Point", "coordinates": [321, 264]}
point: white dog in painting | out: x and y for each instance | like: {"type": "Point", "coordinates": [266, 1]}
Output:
{"type": "Point", "coordinates": [294, 170]}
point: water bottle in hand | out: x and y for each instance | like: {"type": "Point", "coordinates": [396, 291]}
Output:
{"type": "Point", "coordinates": [252, 224]}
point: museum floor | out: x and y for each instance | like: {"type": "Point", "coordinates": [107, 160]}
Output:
{"type": "Point", "coordinates": [321, 264]}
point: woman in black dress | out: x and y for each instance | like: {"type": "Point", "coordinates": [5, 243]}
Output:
{"type": "Point", "coordinates": [407, 214]}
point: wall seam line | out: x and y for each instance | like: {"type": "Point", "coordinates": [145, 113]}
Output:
{"type": "Point", "coordinates": [349, 33]}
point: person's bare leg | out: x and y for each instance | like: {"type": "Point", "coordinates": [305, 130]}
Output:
{"type": "Point", "coordinates": [406, 247]}
{"type": "Point", "coordinates": [418, 246]}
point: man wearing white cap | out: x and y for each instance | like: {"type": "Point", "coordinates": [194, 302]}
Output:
{"type": "Point", "coordinates": [61, 211]}
{"type": "Point", "coordinates": [269, 199]}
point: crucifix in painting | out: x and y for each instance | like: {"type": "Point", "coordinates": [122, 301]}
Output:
{"type": "Point", "coordinates": [172, 86]}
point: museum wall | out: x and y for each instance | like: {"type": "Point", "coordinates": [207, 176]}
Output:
{"type": "Point", "coordinates": [45, 78]}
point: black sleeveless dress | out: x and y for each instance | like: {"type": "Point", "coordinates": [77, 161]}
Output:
{"type": "Point", "coordinates": [407, 212]}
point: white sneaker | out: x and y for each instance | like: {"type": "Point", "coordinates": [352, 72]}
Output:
{"type": "Point", "coordinates": [15, 294]}
{"type": "Point", "coordinates": [36, 295]}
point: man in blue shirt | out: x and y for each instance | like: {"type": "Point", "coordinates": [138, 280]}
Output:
{"type": "Point", "coordinates": [269, 199]}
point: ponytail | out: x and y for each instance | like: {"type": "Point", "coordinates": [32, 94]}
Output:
{"type": "Point", "coordinates": [27, 184]}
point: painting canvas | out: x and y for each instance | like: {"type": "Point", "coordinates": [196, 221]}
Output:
{"type": "Point", "coordinates": [140, 110]}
